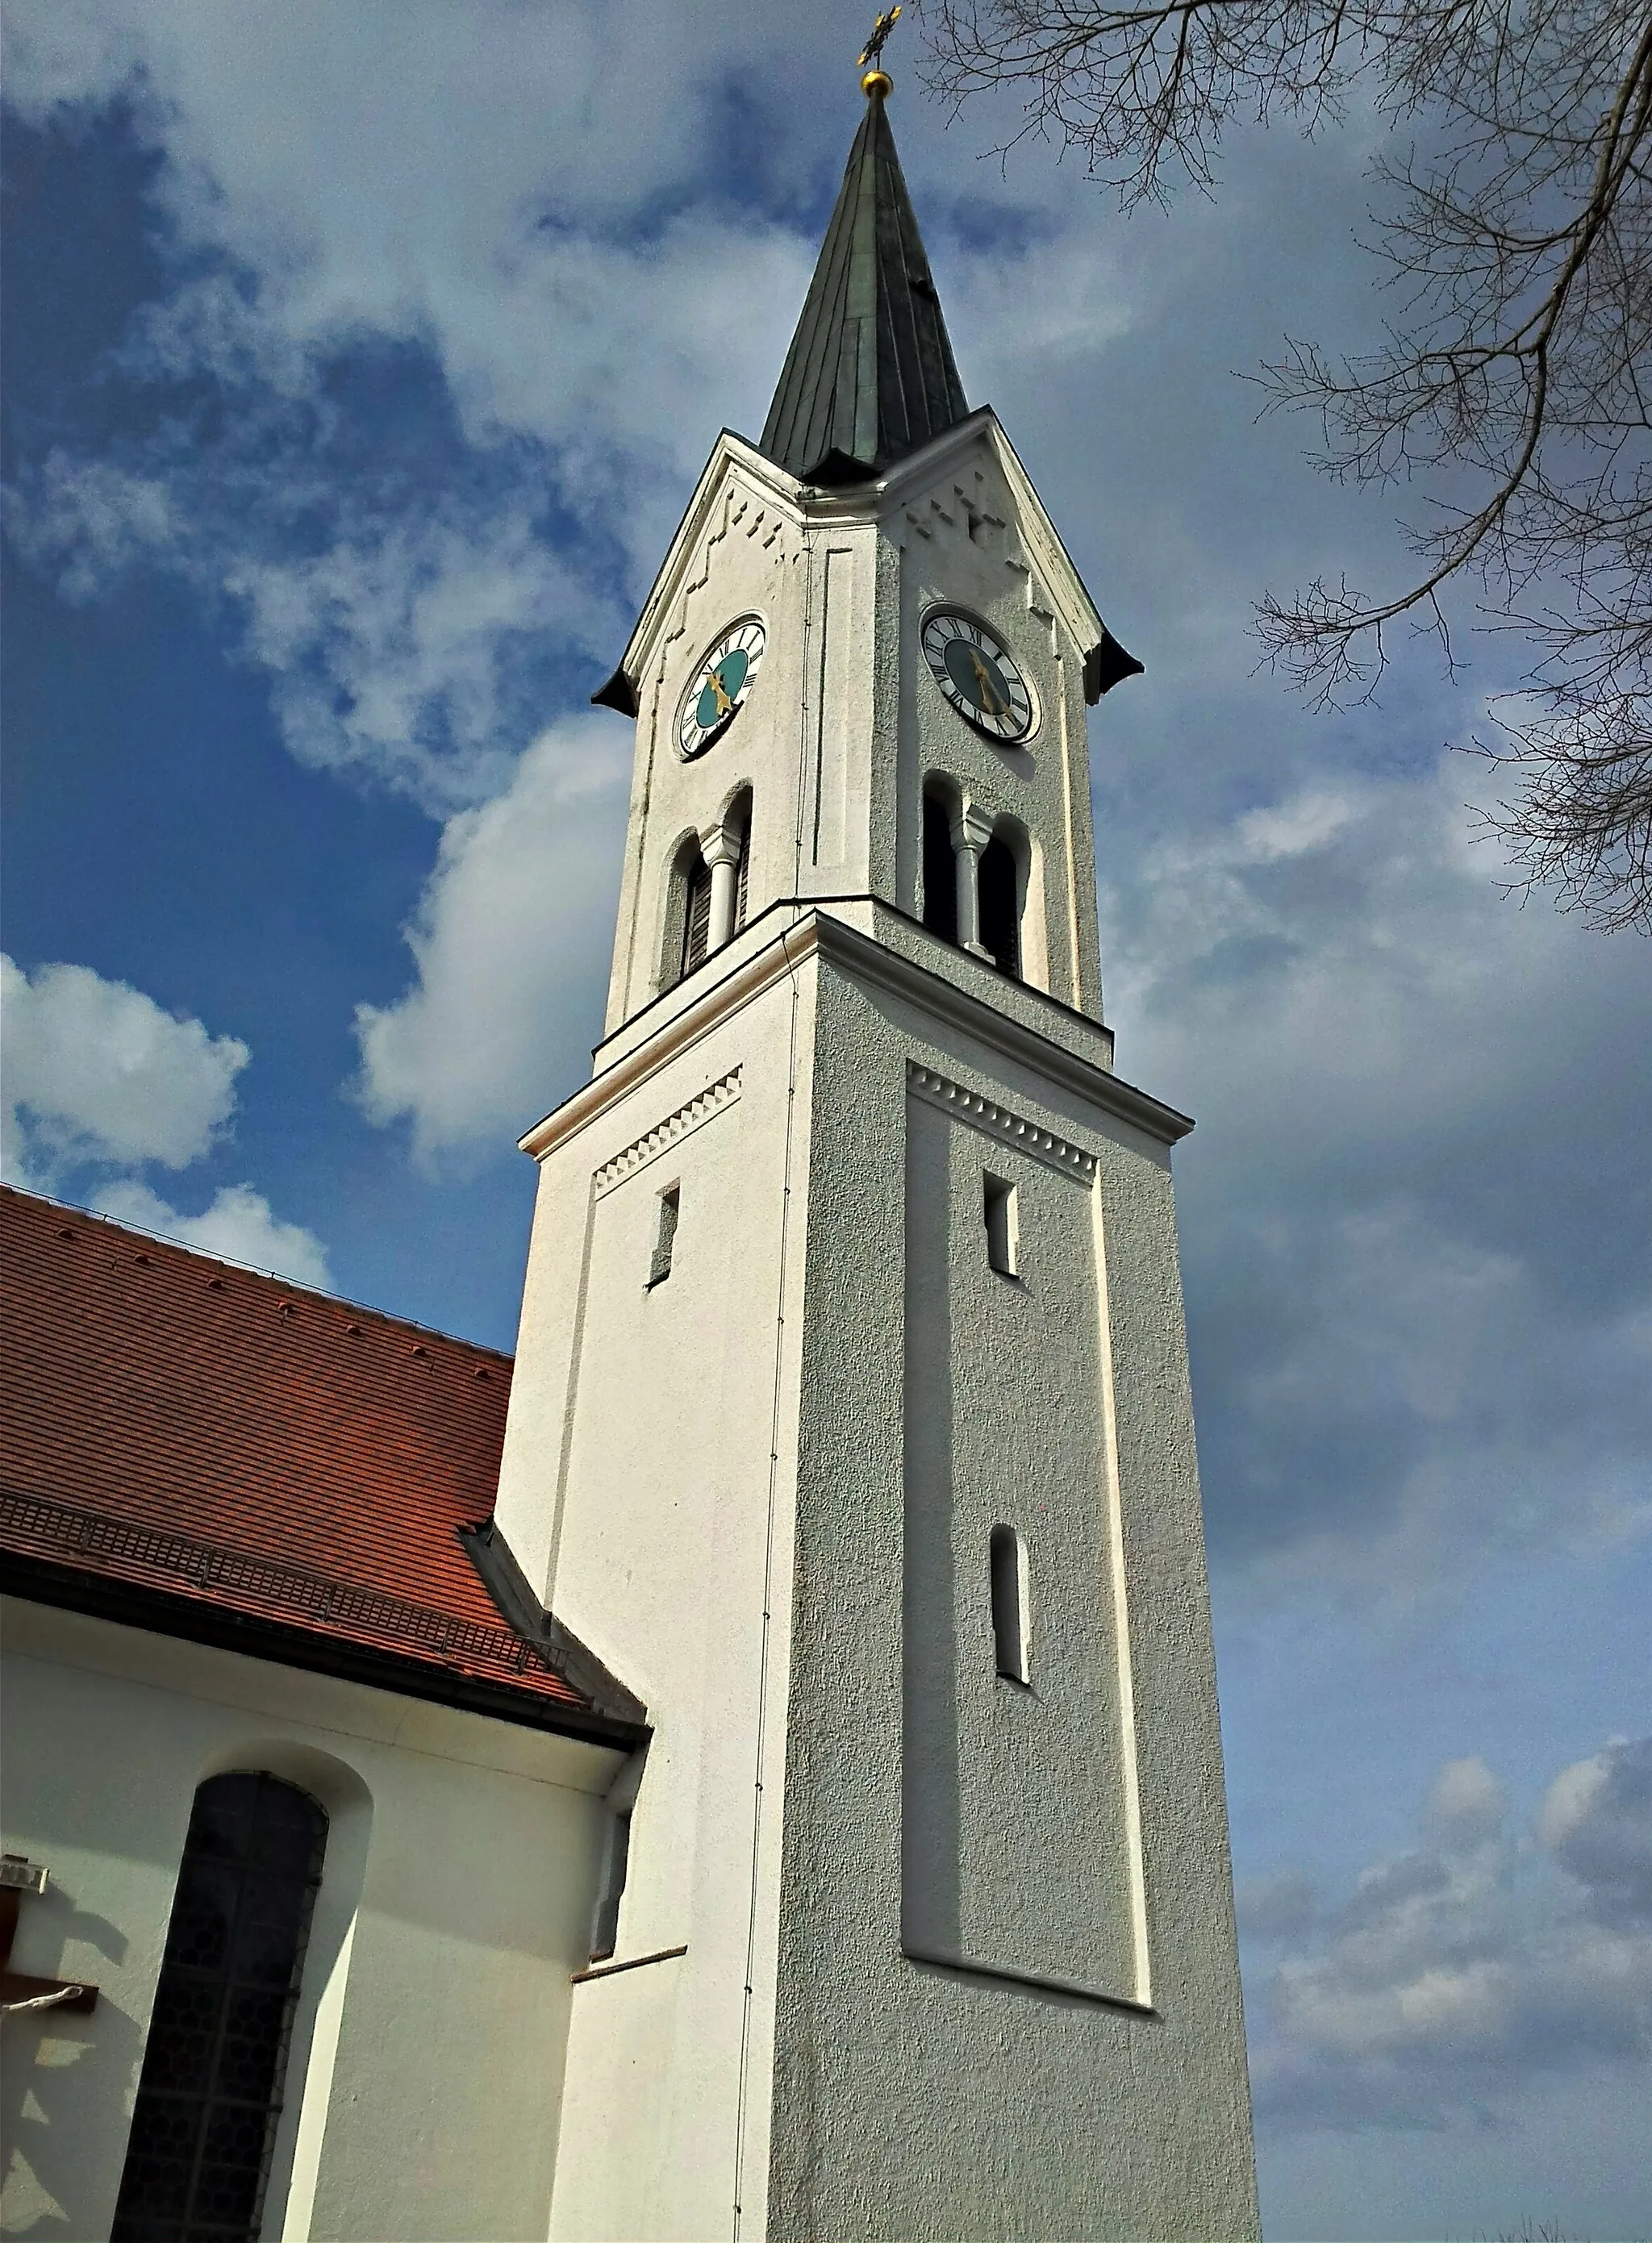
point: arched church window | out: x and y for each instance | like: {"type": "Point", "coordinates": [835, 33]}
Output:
{"type": "Point", "coordinates": [1000, 905]}
{"type": "Point", "coordinates": [210, 2093]}
{"type": "Point", "coordinates": [939, 867]}
{"type": "Point", "coordinates": [696, 912]}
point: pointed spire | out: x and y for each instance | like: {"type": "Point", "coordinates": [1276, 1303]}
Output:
{"type": "Point", "coordinates": [870, 375]}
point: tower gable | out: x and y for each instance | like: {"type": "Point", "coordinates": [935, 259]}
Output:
{"type": "Point", "coordinates": [816, 788]}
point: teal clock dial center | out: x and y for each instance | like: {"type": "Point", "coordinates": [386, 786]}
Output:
{"type": "Point", "coordinates": [718, 687]}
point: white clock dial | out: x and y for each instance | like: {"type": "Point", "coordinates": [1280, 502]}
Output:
{"type": "Point", "coordinates": [978, 674]}
{"type": "Point", "coordinates": [716, 692]}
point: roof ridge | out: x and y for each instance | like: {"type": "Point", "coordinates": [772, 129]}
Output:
{"type": "Point", "coordinates": [256, 1269]}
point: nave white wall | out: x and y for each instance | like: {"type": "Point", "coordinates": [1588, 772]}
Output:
{"type": "Point", "coordinates": [425, 2079]}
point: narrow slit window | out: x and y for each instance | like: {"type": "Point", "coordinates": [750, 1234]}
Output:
{"type": "Point", "coordinates": [1002, 1230]}
{"type": "Point", "coordinates": [1011, 1616]}
{"type": "Point", "coordinates": [659, 1268]}
{"type": "Point", "coordinates": [209, 2096]}
{"type": "Point", "coordinates": [605, 1934]}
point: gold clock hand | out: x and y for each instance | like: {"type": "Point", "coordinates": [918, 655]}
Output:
{"type": "Point", "coordinates": [724, 706]}
{"type": "Point", "coordinates": [989, 698]}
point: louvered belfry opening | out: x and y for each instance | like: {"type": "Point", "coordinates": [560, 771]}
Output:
{"type": "Point", "coordinates": [198, 2157]}
{"type": "Point", "coordinates": [697, 913]}
{"type": "Point", "coordinates": [740, 826]}
{"type": "Point", "coordinates": [870, 375]}
{"type": "Point", "coordinates": [940, 869]}
{"type": "Point", "coordinates": [1000, 906]}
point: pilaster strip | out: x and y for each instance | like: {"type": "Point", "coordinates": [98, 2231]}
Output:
{"type": "Point", "coordinates": [953, 1098]}
{"type": "Point", "coordinates": [700, 1109]}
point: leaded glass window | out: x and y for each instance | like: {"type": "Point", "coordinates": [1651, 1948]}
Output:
{"type": "Point", "coordinates": [210, 2093]}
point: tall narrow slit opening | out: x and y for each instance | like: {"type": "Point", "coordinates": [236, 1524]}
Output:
{"type": "Point", "coordinates": [659, 1268]}
{"type": "Point", "coordinates": [1012, 1617]}
{"type": "Point", "coordinates": [1003, 1239]}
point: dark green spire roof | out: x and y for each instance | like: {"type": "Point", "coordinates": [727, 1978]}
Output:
{"type": "Point", "coordinates": [870, 375]}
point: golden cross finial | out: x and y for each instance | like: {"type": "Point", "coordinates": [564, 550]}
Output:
{"type": "Point", "coordinates": [881, 31]}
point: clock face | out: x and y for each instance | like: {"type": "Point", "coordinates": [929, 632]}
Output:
{"type": "Point", "coordinates": [716, 692]}
{"type": "Point", "coordinates": [977, 673]}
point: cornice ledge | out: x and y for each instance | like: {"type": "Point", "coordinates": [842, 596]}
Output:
{"type": "Point", "coordinates": [845, 946]}
{"type": "Point", "coordinates": [719, 1003]}
{"type": "Point", "coordinates": [817, 933]}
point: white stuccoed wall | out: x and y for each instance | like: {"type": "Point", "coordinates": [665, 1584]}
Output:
{"type": "Point", "coordinates": [427, 2062]}
{"type": "Point", "coordinates": [644, 1488]}
{"type": "Point", "coordinates": [761, 1493]}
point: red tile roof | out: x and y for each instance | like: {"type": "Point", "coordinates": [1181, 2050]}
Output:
{"type": "Point", "coordinates": [241, 1452]}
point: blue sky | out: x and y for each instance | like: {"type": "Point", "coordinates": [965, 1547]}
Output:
{"type": "Point", "coordinates": [359, 363]}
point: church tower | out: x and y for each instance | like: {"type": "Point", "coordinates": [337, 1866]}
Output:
{"type": "Point", "coordinates": [851, 1422]}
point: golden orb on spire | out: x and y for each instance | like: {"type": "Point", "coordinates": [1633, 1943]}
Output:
{"type": "Point", "coordinates": [877, 81]}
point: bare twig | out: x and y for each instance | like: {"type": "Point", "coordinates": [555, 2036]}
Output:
{"type": "Point", "coordinates": [1521, 245]}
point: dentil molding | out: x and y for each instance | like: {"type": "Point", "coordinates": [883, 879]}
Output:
{"type": "Point", "coordinates": [997, 1121]}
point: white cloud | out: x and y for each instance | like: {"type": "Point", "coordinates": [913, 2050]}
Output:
{"type": "Point", "coordinates": [1400, 1358]}
{"type": "Point", "coordinates": [1597, 1821]}
{"type": "Point", "coordinates": [511, 942]}
{"type": "Point", "coordinates": [1453, 1974]}
{"type": "Point", "coordinates": [1465, 1803]}
{"type": "Point", "coordinates": [88, 522]}
{"type": "Point", "coordinates": [391, 650]}
{"type": "Point", "coordinates": [238, 1223]}
{"type": "Point", "coordinates": [405, 621]}
{"type": "Point", "coordinates": [96, 1071]}
{"type": "Point", "coordinates": [99, 1078]}
{"type": "Point", "coordinates": [523, 202]}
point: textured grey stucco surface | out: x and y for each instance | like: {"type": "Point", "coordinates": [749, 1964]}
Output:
{"type": "Point", "coordinates": [917, 2101]}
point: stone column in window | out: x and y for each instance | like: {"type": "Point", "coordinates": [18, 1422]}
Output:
{"type": "Point", "coordinates": [971, 831]}
{"type": "Point", "coordinates": [721, 850]}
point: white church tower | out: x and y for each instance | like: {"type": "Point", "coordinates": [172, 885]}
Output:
{"type": "Point", "coordinates": [851, 1423]}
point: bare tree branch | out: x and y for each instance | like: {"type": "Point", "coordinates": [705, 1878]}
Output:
{"type": "Point", "coordinates": [1520, 244]}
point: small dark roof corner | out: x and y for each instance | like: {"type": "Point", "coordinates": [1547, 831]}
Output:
{"type": "Point", "coordinates": [870, 376]}
{"type": "Point", "coordinates": [618, 693]}
{"type": "Point", "coordinates": [1107, 665]}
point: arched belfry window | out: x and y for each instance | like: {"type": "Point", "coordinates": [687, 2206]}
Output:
{"type": "Point", "coordinates": [198, 2157]}
{"type": "Point", "coordinates": [710, 883]}
{"type": "Point", "coordinates": [939, 867]}
{"type": "Point", "coordinates": [999, 880]}
{"type": "Point", "coordinates": [696, 912]}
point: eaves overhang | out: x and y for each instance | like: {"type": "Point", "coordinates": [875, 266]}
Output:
{"type": "Point", "coordinates": [74, 1588]}
{"type": "Point", "coordinates": [815, 932]}
{"type": "Point", "coordinates": [807, 506]}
